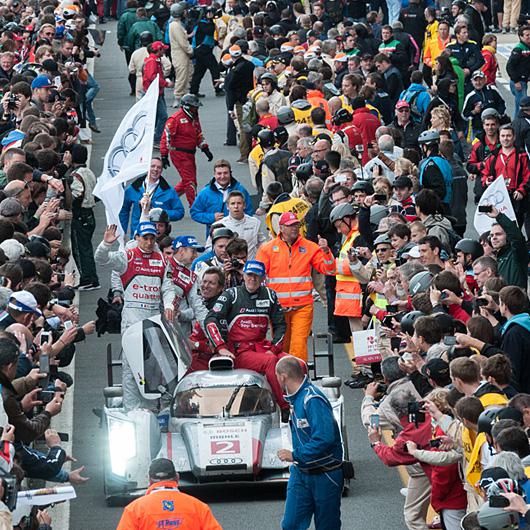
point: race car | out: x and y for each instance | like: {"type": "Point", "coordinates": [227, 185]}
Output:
{"type": "Point", "coordinates": [217, 426]}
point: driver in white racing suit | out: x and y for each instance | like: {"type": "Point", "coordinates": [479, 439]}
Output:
{"type": "Point", "coordinates": [147, 285]}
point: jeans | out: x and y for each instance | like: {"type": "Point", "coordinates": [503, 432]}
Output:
{"type": "Point", "coordinates": [519, 94]}
{"type": "Point", "coordinates": [161, 118]}
{"type": "Point", "coordinates": [394, 10]}
{"type": "Point", "coordinates": [92, 89]}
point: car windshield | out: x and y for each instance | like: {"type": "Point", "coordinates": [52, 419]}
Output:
{"type": "Point", "coordinates": [210, 401]}
{"type": "Point", "coordinates": [160, 366]}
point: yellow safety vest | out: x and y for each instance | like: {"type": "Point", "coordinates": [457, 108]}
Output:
{"type": "Point", "coordinates": [298, 206]}
{"type": "Point", "coordinates": [345, 104]}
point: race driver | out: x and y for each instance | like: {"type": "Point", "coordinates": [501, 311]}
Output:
{"type": "Point", "coordinates": [147, 285]}
{"type": "Point", "coordinates": [238, 323]}
{"type": "Point", "coordinates": [180, 139]}
{"type": "Point", "coordinates": [190, 305]}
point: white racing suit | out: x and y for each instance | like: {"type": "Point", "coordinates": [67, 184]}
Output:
{"type": "Point", "coordinates": [147, 284]}
{"type": "Point", "coordinates": [190, 304]}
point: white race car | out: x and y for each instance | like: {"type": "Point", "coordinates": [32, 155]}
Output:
{"type": "Point", "coordinates": [216, 426]}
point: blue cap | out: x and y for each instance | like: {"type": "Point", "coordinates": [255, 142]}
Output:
{"type": "Point", "coordinates": [42, 81]}
{"type": "Point", "coordinates": [253, 266]}
{"type": "Point", "coordinates": [145, 229]}
{"type": "Point", "coordinates": [187, 242]}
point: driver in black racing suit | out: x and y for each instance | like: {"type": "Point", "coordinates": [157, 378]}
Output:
{"type": "Point", "coordinates": [238, 322]}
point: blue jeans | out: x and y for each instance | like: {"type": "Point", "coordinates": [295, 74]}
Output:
{"type": "Point", "coordinates": [394, 10]}
{"type": "Point", "coordinates": [92, 89]}
{"type": "Point", "coordinates": [308, 495]}
{"type": "Point", "coordinates": [519, 94]}
{"type": "Point", "coordinates": [161, 118]}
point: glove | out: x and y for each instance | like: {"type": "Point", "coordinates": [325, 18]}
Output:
{"type": "Point", "coordinates": [165, 161]}
{"type": "Point", "coordinates": [208, 153]}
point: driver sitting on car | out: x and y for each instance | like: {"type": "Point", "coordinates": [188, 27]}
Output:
{"type": "Point", "coordinates": [237, 327]}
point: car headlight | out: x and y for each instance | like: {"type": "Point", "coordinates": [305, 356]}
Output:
{"type": "Point", "coordinates": [122, 444]}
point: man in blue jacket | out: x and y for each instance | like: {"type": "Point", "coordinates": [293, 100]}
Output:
{"type": "Point", "coordinates": [155, 189]}
{"type": "Point", "coordinates": [210, 205]}
{"type": "Point", "coordinates": [316, 480]}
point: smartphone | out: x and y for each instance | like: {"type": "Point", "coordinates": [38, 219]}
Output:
{"type": "Point", "coordinates": [392, 308]}
{"type": "Point", "coordinates": [435, 443]}
{"type": "Point", "coordinates": [380, 197]}
{"type": "Point", "coordinates": [374, 421]}
{"type": "Point", "coordinates": [444, 296]}
{"type": "Point", "coordinates": [340, 179]}
{"type": "Point", "coordinates": [498, 501]}
{"type": "Point", "coordinates": [44, 368]}
{"type": "Point", "coordinates": [68, 324]}
{"type": "Point", "coordinates": [64, 437]}
{"type": "Point", "coordinates": [45, 336]}
{"type": "Point", "coordinates": [449, 340]}
{"type": "Point", "coordinates": [407, 357]}
{"type": "Point", "coordinates": [359, 148]}
{"type": "Point", "coordinates": [481, 302]}
{"type": "Point", "coordinates": [485, 208]}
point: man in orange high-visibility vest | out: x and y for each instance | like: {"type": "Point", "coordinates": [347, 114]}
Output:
{"type": "Point", "coordinates": [288, 259]}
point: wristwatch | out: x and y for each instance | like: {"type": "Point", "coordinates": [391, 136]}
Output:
{"type": "Point", "coordinates": [373, 444]}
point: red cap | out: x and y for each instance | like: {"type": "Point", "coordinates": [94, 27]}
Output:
{"type": "Point", "coordinates": [157, 46]}
{"type": "Point", "coordinates": [288, 219]}
{"type": "Point", "coordinates": [402, 104]}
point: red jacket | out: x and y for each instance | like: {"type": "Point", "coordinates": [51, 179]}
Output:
{"type": "Point", "coordinates": [490, 65]}
{"type": "Point", "coordinates": [367, 124]}
{"type": "Point", "coordinates": [513, 168]}
{"type": "Point", "coordinates": [447, 489]}
{"type": "Point", "coordinates": [269, 121]}
{"type": "Point", "coordinates": [181, 132]}
{"type": "Point", "coordinates": [351, 132]}
{"type": "Point", "coordinates": [397, 455]}
{"type": "Point", "coordinates": [152, 68]}
{"type": "Point", "coordinates": [458, 313]}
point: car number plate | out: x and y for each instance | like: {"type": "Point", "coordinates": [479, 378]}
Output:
{"type": "Point", "coordinates": [225, 445]}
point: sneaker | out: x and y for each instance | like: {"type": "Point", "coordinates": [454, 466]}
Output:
{"type": "Point", "coordinates": [89, 287]}
{"type": "Point", "coordinates": [358, 381]}
{"type": "Point", "coordinates": [505, 30]}
{"type": "Point", "coordinates": [94, 127]}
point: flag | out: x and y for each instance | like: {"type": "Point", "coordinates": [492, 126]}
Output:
{"type": "Point", "coordinates": [129, 154]}
{"type": "Point", "coordinates": [497, 195]}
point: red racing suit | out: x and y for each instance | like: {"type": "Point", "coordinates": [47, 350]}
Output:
{"type": "Point", "coordinates": [180, 139]}
{"type": "Point", "coordinates": [153, 68]}
{"type": "Point", "coordinates": [239, 321]}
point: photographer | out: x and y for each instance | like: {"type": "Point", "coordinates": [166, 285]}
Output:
{"type": "Point", "coordinates": [237, 251]}
{"type": "Point", "coordinates": [416, 427]}
{"type": "Point", "coordinates": [14, 103]}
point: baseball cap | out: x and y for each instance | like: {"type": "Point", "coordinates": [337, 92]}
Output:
{"type": "Point", "coordinates": [24, 302]}
{"type": "Point", "coordinates": [253, 266]}
{"type": "Point", "coordinates": [10, 207]}
{"type": "Point", "coordinates": [366, 56]}
{"type": "Point", "coordinates": [402, 104]}
{"type": "Point", "coordinates": [525, 102]}
{"type": "Point", "coordinates": [235, 51]}
{"type": "Point", "coordinates": [436, 369]}
{"type": "Point", "coordinates": [414, 252]}
{"type": "Point", "coordinates": [158, 45]}
{"type": "Point", "coordinates": [37, 249]}
{"type": "Point", "coordinates": [403, 182]}
{"type": "Point", "coordinates": [162, 469]}
{"type": "Point", "coordinates": [145, 229]}
{"type": "Point", "coordinates": [478, 73]}
{"type": "Point", "coordinates": [288, 219]}
{"type": "Point", "coordinates": [41, 81]}
{"type": "Point", "coordinates": [187, 242]}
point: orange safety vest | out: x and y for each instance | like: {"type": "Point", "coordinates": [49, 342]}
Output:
{"type": "Point", "coordinates": [289, 269]}
{"type": "Point", "coordinates": [349, 298]}
{"type": "Point", "coordinates": [164, 506]}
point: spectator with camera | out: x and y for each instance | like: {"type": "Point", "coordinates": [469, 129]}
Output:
{"type": "Point", "coordinates": [237, 251]}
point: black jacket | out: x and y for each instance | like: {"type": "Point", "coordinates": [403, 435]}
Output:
{"type": "Point", "coordinates": [521, 126]}
{"type": "Point", "coordinates": [468, 55]}
{"type": "Point", "coordinates": [518, 65]}
{"type": "Point", "coordinates": [410, 133]}
{"type": "Point", "coordinates": [476, 24]}
{"type": "Point", "coordinates": [414, 22]}
{"type": "Point", "coordinates": [515, 342]}
{"type": "Point", "coordinates": [239, 82]}
{"type": "Point", "coordinates": [489, 98]}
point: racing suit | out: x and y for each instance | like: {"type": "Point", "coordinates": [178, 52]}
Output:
{"type": "Point", "coordinates": [180, 139]}
{"type": "Point", "coordinates": [201, 349]}
{"type": "Point", "coordinates": [147, 283]}
{"type": "Point", "coordinates": [316, 480]}
{"type": "Point", "coordinates": [164, 506]}
{"type": "Point", "coordinates": [239, 321]}
{"type": "Point", "coordinates": [190, 304]}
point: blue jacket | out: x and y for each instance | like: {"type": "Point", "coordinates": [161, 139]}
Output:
{"type": "Point", "coordinates": [315, 433]}
{"type": "Point", "coordinates": [437, 174]}
{"type": "Point", "coordinates": [421, 101]}
{"type": "Point", "coordinates": [210, 201]}
{"type": "Point", "coordinates": [164, 197]}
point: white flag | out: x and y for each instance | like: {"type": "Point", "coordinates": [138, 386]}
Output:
{"type": "Point", "coordinates": [129, 154]}
{"type": "Point", "coordinates": [497, 195]}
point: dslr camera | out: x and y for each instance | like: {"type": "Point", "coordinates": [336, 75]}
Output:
{"type": "Point", "coordinates": [9, 483]}
{"type": "Point", "coordinates": [12, 101]}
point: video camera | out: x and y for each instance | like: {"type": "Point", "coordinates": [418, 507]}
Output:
{"type": "Point", "coordinates": [9, 483]}
{"type": "Point", "coordinates": [416, 412]}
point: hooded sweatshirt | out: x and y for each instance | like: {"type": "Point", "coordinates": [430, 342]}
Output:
{"type": "Point", "coordinates": [515, 340]}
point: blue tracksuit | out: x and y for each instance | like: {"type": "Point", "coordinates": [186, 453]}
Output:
{"type": "Point", "coordinates": [316, 447]}
{"type": "Point", "coordinates": [211, 200]}
{"type": "Point", "coordinates": [164, 197]}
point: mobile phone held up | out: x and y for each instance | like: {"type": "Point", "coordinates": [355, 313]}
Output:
{"type": "Point", "coordinates": [485, 208]}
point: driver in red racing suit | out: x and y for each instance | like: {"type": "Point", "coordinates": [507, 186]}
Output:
{"type": "Point", "coordinates": [180, 139]}
{"type": "Point", "coordinates": [238, 323]}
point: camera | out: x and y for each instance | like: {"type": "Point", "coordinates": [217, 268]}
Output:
{"type": "Point", "coordinates": [415, 412]}
{"type": "Point", "coordinates": [435, 443]}
{"type": "Point", "coordinates": [498, 501]}
{"type": "Point", "coordinates": [449, 340]}
{"type": "Point", "coordinates": [12, 101]}
{"type": "Point", "coordinates": [237, 264]}
{"type": "Point", "coordinates": [381, 388]}
{"type": "Point", "coordinates": [353, 252]}
{"type": "Point", "coordinates": [9, 483]}
{"type": "Point", "coordinates": [46, 396]}
{"type": "Point", "coordinates": [481, 302]}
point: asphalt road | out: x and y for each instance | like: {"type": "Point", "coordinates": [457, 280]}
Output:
{"type": "Point", "coordinates": [374, 499]}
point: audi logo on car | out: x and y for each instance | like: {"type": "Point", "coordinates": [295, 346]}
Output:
{"type": "Point", "coordinates": [225, 461]}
